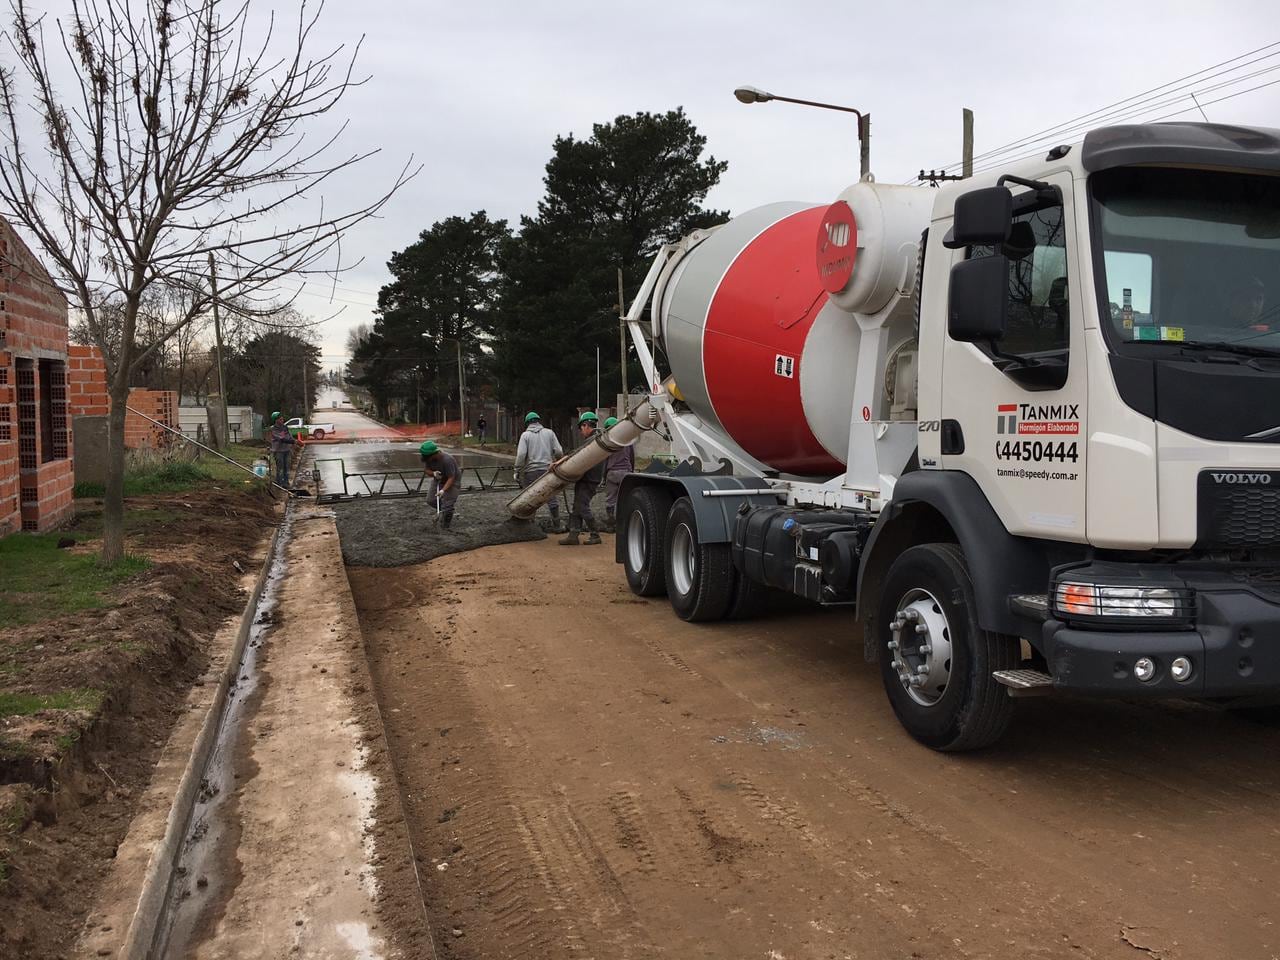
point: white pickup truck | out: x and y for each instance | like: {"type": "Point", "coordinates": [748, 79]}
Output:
{"type": "Point", "coordinates": [314, 431]}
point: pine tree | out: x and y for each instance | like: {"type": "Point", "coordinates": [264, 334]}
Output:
{"type": "Point", "coordinates": [611, 201]}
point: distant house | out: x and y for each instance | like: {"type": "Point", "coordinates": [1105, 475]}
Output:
{"type": "Point", "coordinates": [36, 476]}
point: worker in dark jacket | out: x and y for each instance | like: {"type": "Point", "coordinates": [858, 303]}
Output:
{"type": "Point", "coordinates": [584, 489]}
{"type": "Point", "coordinates": [620, 463]}
{"type": "Point", "coordinates": [281, 441]}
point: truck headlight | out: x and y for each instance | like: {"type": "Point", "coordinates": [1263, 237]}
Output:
{"type": "Point", "coordinates": [1073, 599]}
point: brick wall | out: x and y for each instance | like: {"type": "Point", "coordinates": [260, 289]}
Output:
{"type": "Point", "coordinates": [10, 516]}
{"type": "Point", "coordinates": [36, 474]}
{"type": "Point", "coordinates": [87, 382]}
{"type": "Point", "coordinates": [159, 405]}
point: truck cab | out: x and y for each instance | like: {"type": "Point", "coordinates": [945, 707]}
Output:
{"type": "Point", "coordinates": [1061, 385]}
{"type": "Point", "coordinates": [1119, 405]}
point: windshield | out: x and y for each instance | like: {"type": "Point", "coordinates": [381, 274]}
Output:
{"type": "Point", "coordinates": [1190, 257]}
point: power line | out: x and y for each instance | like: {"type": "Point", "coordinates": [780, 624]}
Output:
{"type": "Point", "coordinates": [1006, 161]}
{"type": "Point", "coordinates": [1143, 99]}
{"type": "Point", "coordinates": [1138, 112]}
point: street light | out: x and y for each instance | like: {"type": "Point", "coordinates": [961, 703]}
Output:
{"type": "Point", "coordinates": [756, 95]}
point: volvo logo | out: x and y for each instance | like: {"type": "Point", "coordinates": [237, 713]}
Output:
{"type": "Point", "coordinates": [1245, 478]}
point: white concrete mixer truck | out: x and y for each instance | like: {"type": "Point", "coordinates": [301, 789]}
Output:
{"type": "Point", "coordinates": [1026, 425]}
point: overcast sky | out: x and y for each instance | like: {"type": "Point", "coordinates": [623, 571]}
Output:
{"type": "Point", "coordinates": [478, 91]}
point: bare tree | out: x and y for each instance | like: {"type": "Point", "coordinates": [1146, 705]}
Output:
{"type": "Point", "coordinates": [182, 136]}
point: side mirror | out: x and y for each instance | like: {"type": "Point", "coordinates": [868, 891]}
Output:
{"type": "Point", "coordinates": [982, 217]}
{"type": "Point", "coordinates": [978, 300]}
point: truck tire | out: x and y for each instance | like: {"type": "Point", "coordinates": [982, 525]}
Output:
{"type": "Point", "coordinates": [317, 434]}
{"type": "Point", "coordinates": [699, 575]}
{"type": "Point", "coordinates": [938, 678]}
{"type": "Point", "coordinates": [749, 599]}
{"type": "Point", "coordinates": [644, 543]}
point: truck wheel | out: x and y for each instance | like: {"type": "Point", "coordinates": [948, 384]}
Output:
{"type": "Point", "coordinates": [317, 434]}
{"type": "Point", "coordinates": [699, 575]}
{"type": "Point", "coordinates": [935, 661]}
{"type": "Point", "coordinates": [644, 544]}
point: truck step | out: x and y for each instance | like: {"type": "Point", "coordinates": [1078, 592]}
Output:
{"type": "Point", "coordinates": [1025, 683]}
{"type": "Point", "coordinates": [1034, 606]}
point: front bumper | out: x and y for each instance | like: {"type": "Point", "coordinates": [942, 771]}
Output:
{"type": "Point", "coordinates": [1233, 644]}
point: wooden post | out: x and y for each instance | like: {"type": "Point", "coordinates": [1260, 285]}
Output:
{"type": "Point", "coordinates": [622, 346]}
{"type": "Point", "coordinates": [217, 336]}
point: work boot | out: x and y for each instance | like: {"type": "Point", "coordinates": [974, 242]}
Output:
{"type": "Point", "coordinates": [570, 539]}
{"type": "Point", "coordinates": [557, 525]}
{"type": "Point", "coordinates": [593, 537]}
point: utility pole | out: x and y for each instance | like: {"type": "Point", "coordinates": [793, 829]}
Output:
{"type": "Point", "coordinates": [622, 347]}
{"type": "Point", "coordinates": [597, 378]}
{"type": "Point", "coordinates": [864, 141]}
{"type": "Point", "coordinates": [462, 408]}
{"type": "Point", "coordinates": [306, 394]}
{"type": "Point", "coordinates": [217, 336]}
{"type": "Point", "coordinates": [966, 170]}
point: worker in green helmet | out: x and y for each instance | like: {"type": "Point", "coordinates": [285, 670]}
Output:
{"type": "Point", "coordinates": [537, 450]}
{"type": "Point", "coordinates": [280, 440]}
{"type": "Point", "coordinates": [584, 488]}
{"type": "Point", "coordinates": [448, 478]}
{"type": "Point", "coordinates": [620, 463]}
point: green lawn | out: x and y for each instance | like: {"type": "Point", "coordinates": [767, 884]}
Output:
{"type": "Point", "coordinates": [176, 476]}
{"type": "Point", "coordinates": [42, 582]}
{"type": "Point", "coordinates": [25, 704]}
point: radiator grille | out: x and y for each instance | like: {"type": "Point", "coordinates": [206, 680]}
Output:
{"type": "Point", "coordinates": [1238, 508]}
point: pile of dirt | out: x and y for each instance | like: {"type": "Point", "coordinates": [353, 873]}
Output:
{"type": "Point", "coordinates": [71, 777]}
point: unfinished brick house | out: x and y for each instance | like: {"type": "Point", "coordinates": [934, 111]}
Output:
{"type": "Point", "coordinates": [35, 433]}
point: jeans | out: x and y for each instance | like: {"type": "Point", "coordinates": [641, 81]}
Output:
{"type": "Point", "coordinates": [282, 467]}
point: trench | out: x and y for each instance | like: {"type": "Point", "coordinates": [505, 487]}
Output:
{"type": "Point", "coordinates": [206, 873]}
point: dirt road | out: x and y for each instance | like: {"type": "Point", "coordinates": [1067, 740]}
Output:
{"type": "Point", "coordinates": [591, 777]}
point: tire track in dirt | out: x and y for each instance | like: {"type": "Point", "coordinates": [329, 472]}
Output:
{"type": "Point", "coordinates": [628, 785]}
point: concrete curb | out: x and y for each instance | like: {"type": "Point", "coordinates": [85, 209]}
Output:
{"type": "Point", "coordinates": [145, 923]}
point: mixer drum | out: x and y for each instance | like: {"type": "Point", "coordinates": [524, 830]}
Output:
{"type": "Point", "coordinates": [756, 346]}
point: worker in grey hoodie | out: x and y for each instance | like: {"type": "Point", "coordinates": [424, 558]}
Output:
{"type": "Point", "coordinates": [537, 450]}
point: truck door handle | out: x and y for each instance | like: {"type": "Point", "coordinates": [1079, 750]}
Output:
{"type": "Point", "coordinates": [952, 438]}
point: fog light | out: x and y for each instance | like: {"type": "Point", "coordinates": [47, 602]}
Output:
{"type": "Point", "coordinates": [1180, 669]}
{"type": "Point", "coordinates": [1144, 669]}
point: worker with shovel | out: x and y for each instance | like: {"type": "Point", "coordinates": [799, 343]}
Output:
{"type": "Point", "coordinates": [448, 480]}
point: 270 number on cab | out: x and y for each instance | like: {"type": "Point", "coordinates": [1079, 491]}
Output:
{"type": "Point", "coordinates": [1035, 451]}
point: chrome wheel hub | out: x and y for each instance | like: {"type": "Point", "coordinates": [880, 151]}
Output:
{"type": "Point", "coordinates": [921, 647]}
{"type": "Point", "coordinates": [637, 542]}
{"type": "Point", "coordinates": [683, 559]}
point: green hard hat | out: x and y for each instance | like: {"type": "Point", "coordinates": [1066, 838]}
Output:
{"type": "Point", "coordinates": [588, 417]}
{"type": "Point", "coordinates": [531, 416]}
{"type": "Point", "coordinates": [611, 422]}
{"type": "Point", "coordinates": [428, 448]}
{"type": "Point", "coordinates": [275, 416]}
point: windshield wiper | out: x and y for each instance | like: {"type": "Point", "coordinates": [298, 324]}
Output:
{"type": "Point", "coordinates": [1216, 346]}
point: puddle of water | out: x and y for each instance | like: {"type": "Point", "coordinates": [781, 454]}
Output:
{"type": "Point", "coordinates": [396, 467]}
{"type": "Point", "coordinates": [361, 940]}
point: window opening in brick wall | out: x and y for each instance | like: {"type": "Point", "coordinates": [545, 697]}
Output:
{"type": "Point", "coordinates": [25, 370]}
{"type": "Point", "coordinates": [53, 410]}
